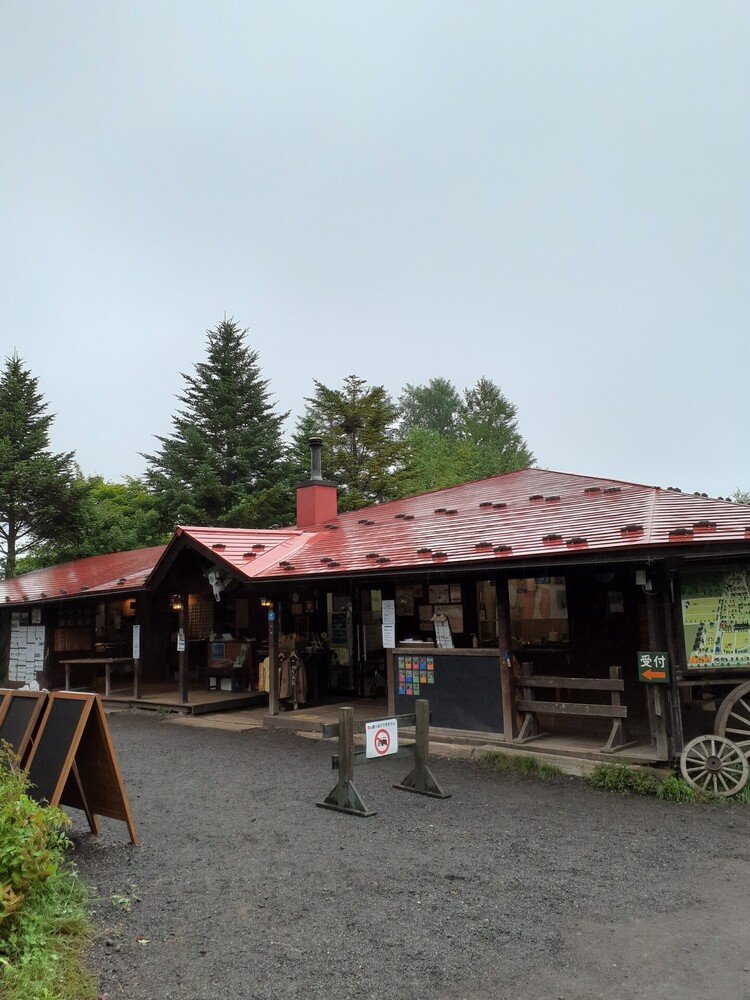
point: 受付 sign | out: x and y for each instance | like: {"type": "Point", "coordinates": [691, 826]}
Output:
{"type": "Point", "coordinates": [381, 738]}
{"type": "Point", "coordinates": [653, 668]}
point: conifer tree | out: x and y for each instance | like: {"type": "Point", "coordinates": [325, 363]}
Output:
{"type": "Point", "coordinates": [361, 452]}
{"type": "Point", "coordinates": [224, 462]}
{"type": "Point", "coordinates": [452, 439]}
{"type": "Point", "coordinates": [40, 496]}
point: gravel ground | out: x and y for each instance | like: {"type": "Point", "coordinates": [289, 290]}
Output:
{"type": "Point", "coordinates": [509, 889]}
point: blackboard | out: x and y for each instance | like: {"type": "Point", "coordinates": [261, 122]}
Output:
{"type": "Point", "coordinates": [73, 762]}
{"type": "Point", "coordinates": [466, 693]}
{"type": "Point", "coordinates": [50, 755]}
{"type": "Point", "coordinates": [18, 720]}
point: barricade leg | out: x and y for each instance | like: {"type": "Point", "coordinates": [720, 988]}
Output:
{"type": "Point", "coordinates": [344, 796]}
{"type": "Point", "coordinates": [420, 779]}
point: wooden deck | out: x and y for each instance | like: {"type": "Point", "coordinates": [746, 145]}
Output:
{"type": "Point", "coordinates": [312, 720]}
{"type": "Point", "coordinates": [166, 698]}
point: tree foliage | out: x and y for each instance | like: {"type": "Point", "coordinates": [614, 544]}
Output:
{"type": "Point", "coordinates": [361, 451]}
{"type": "Point", "coordinates": [434, 406]}
{"type": "Point", "coordinates": [224, 463]}
{"type": "Point", "coordinates": [117, 517]}
{"type": "Point", "coordinates": [482, 440]}
{"type": "Point", "coordinates": [40, 497]}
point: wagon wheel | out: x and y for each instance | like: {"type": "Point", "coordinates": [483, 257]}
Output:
{"type": "Point", "coordinates": [714, 764]}
{"type": "Point", "coordinates": [733, 717]}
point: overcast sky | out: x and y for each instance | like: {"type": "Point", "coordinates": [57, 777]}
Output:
{"type": "Point", "coordinates": [552, 194]}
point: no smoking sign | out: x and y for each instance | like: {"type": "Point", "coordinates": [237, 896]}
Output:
{"type": "Point", "coordinates": [381, 738]}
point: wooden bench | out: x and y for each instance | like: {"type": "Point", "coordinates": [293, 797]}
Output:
{"type": "Point", "coordinates": [531, 706]}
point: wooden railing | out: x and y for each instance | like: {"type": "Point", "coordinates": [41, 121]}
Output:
{"type": "Point", "coordinates": [531, 705]}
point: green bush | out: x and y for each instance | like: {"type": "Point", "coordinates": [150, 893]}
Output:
{"type": "Point", "coordinates": [675, 789]}
{"type": "Point", "coordinates": [32, 840]}
{"type": "Point", "coordinates": [44, 927]}
{"type": "Point", "coordinates": [523, 766]}
{"type": "Point", "coordinates": [623, 779]}
{"type": "Point", "coordinates": [627, 780]}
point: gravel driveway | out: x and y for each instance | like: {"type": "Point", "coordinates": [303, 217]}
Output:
{"type": "Point", "coordinates": [509, 889]}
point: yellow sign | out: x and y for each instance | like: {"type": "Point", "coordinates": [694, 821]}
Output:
{"type": "Point", "coordinates": [716, 619]}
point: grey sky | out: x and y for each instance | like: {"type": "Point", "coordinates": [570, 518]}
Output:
{"type": "Point", "coordinates": [553, 194]}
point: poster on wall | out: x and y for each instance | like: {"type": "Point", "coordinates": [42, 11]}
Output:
{"type": "Point", "coordinates": [404, 602]}
{"type": "Point", "coordinates": [438, 593]}
{"type": "Point", "coordinates": [388, 609]}
{"type": "Point", "coordinates": [455, 615]}
{"type": "Point", "coordinates": [716, 619]}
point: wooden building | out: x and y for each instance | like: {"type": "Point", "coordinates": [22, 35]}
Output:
{"type": "Point", "coordinates": [550, 585]}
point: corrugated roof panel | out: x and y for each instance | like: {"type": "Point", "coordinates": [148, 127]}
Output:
{"type": "Point", "coordinates": [125, 571]}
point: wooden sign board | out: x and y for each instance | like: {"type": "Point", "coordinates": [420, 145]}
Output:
{"type": "Point", "coordinates": [73, 761]}
{"type": "Point", "coordinates": [19, 717]}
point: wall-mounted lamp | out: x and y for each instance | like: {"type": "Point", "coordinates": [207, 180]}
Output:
{"type": "Point", "coordinates": [266, 603]}
{"type": "Point", "coordinates": [176, 603]}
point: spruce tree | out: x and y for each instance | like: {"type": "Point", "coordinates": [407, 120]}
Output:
{"type": "Point", "coordinates": [224, 463]}
{"type": "Point", "coordinates": [40, 495]}
{"type": "Point", "coordinates": [361, 452]}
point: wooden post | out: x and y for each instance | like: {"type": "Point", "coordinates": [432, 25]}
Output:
{"type": "Point", "coordinates": [390, 682]}
{"type": "Point", "coordinates": [183, 684]}
{"type": "Point", "coordinates": [273, 674]}
{"type": "Point", "coordinates": [420, 779]}
{"type": "Point", "coordinates": [511, 722]}
{"type": "Point", "coordinates": [673, 621]}
{"type": "Point", "coordinates": [136, 650]}
{"type": "Point", "coordinates": [344, 796]}
{"type": "Point", "coordinates": [657, 716]}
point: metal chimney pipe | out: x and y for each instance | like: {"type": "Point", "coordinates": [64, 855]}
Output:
{"type": "Point", "coordinates": [316, 461]}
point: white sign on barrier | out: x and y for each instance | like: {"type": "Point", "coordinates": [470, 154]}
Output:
{"type": "Point", "coordinates": [381, 738]}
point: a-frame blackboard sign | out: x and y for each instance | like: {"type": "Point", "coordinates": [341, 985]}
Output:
{"type": "Point", "coordinates": [19, 717]}
{"type": "Point", "coordinates": [73, 762]}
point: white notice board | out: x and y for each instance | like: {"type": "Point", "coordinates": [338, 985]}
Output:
{"type": "Point", "coordinates": [26, 653]}
{"type": "Point", "coordinates": [443, 637]}
{"type": "Point", "coordinates": [388, 612]}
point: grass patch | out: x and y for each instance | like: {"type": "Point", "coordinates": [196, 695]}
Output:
{"type": "Point", "coordinates": [524, 766]}
{"type": "Point", "coordinates": [626, 780]}
{"type": "Point", "coordinates": [44, 925]}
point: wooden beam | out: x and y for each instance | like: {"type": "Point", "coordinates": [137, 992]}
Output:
{"type": "Point", "coordinates": [574, 708]}
{"type": "Point", "coordinates": [579, 683]}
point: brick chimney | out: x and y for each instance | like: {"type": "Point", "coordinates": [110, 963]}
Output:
{"type": "Point", "coordinates": [317, 499]}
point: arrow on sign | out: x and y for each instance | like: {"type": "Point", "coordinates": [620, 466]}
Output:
{"type": "Point", "coordinates": [655, 675]}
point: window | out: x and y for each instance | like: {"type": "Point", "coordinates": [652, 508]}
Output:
{"type": "Point", "coordinates": [538, 610]}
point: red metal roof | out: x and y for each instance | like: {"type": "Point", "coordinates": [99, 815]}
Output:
{"type": "Point", "coordinates": [529, 514]}
{"type": "Point", "coordinates": [249, 551]}
{"type": "Point", "coordinates": [534, 514]}
{"type": "Point", "coordinates": [120, 571]}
